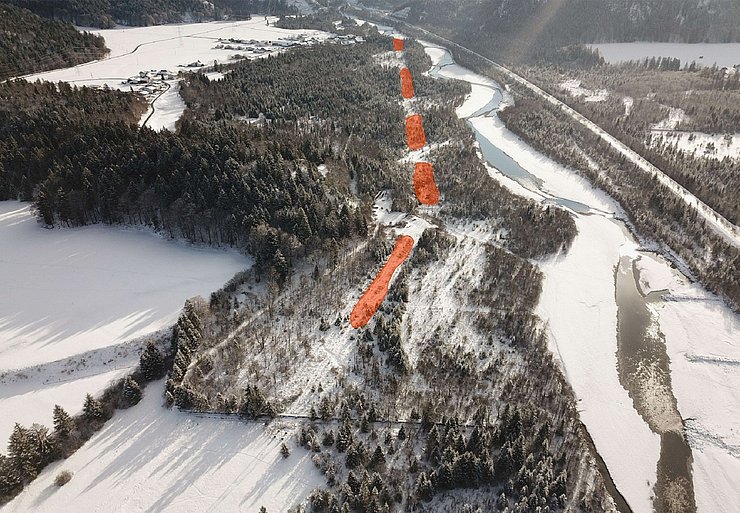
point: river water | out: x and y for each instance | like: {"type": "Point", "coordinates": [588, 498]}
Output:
{"type": "Point", "coordinates": [606, 330]}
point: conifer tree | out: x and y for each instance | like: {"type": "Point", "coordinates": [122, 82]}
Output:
{"type": "Point", "coordinates": [23, 456]}
{"type": "Point", "coordinates": [92, 409]}
{"type": "Point", "coordinates": [131, 391]}
{"type": "Point", "coordinates": [63, 423]}
{"type": "Point", "coordinates": [377, 459]}
{"type": "Point", "coordinates": [151, 362]}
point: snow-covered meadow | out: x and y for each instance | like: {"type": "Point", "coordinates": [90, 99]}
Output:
{"type": "Point", "coordinates": [717, 146]}
{"type": "Point", "coordinates": [76, 296]}
{"type": "Point", "coordinates": [168, 47]}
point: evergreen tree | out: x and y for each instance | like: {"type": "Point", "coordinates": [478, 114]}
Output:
{"type": "Point", "coordinates": [424, 487]}
{"type": "Point", "coordinates": [151, 362]}
{"type": "Point", "coordinates": [63, 423]}
{"type": "Point", "coordinates": [23, 455]}
{"type": "Point", "coordinates": [328, 439]}
{"type": "Point", "coordinates": [402, 433]}
{"type": "Point", "coordinates": [378, 458]}
{"type": "Point", "coordinates": [284, 450]}
{"type": "Point", "coordinates": [92, 409]}
{"type": "Point", "coordinates": [131, 391]}
{"type": "Point", "coordinates": [344, 436]}
{"type": "Point", "coordinates": [280, 267]}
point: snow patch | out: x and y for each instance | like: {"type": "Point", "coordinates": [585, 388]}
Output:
{"type": "Point", "coordinates": [574, 89]}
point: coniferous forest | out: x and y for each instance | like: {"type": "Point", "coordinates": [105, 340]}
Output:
{"type": "Point", "coordinates": [30, 43]}
{"type": "Point", "coordinates": [108, 13]}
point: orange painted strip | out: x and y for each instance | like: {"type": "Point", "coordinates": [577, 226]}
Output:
{"type": "Point", "coordinates": [398, 44]}
{"type": "Point", "coordinates": [415, 132]}
{"type": "Point", "coordinates": [407, 83]}
{"type": "Point", "coordinates": [424, 184]}
{"type": "Point", "coordinates": [378, 289]}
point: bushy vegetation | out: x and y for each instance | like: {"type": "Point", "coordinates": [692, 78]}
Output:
{"type": "Point", "coordinates": [29, 43]}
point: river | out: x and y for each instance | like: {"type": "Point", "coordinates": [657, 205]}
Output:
{"type": "Point", "coordinates": [621, 346]}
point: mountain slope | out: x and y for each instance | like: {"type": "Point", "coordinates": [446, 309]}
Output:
{"type": "Point", "coordinates": [30, 43]}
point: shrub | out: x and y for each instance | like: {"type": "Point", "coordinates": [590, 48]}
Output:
{"type": "Point", "coordinates": [63, 478]}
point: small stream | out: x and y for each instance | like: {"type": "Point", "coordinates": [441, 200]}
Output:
{"type": "Point", "coordinates": [642, 359]}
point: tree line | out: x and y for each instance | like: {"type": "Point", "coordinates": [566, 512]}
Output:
{"type": "Point", "coordinates": [108, 13]}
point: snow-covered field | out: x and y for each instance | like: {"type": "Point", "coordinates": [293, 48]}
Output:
{"type": "Point", "coordinates": [705, 54]}
{"type": "Point", "coordinates": [31, 401]}
{"type": "Point", "coordinates": [76, 289]}
{"type": "Point", "coordinates": [151, 459]}
{"type": "Point", "coordinates": [80, 294]}
{"type": "Point", "coordinates": [167, 47]}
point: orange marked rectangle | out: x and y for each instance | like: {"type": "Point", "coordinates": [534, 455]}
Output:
{"type": "Point", "coordinates": [398, 44]}
{"type": "Point", "coordinates": [407, 83]}
{"type": "Point", "coordinates": [415, 132]}
{"type": "Point", "coordinates": [424, 185]}
{"type": "Point", "coordinates": [378, 289]}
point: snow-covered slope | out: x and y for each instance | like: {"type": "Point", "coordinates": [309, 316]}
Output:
{"type": "Point", "coordinates": [73, 298]}
{"type": "Point", "coordinates": [150, 459]}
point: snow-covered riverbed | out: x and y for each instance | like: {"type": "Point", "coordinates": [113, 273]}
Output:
{"type": "Point", "coordinates": [579, 308]}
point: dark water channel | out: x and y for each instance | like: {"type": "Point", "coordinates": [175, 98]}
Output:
{"type": "Point", "coordinates": [644, 371]}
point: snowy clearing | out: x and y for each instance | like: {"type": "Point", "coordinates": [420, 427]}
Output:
{"type": "Point", "coordinates": [716, 146]}
{"type": "Point", "coordinates": [77, 289]}
{"type": "Point", "coordinates": [574, 89]}
{"type": "Point", "coordinates": [705, 54]}
{"type": "Point", "coordinates": [148, 458]}
{"type": "Point", "coordinates": [167, 109]}
{"type": "Point", "coordinates": [673, 121]}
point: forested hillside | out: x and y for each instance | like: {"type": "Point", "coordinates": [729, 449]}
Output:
{"type": "Point", "coordinates": [526, 28]}
{"type": "Point", "coordinates": [29, 43]}
{"type": "Point", "coordinates": [107, 13]}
